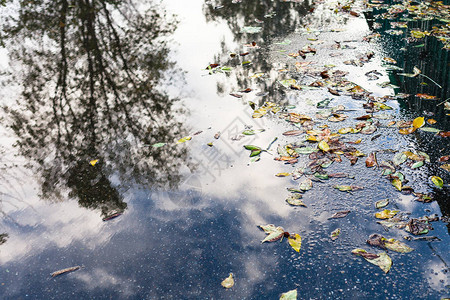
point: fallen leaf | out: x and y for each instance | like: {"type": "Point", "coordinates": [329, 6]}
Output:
{"type": "Point", "coordinates": [437, 181]}
{"type": "Point", "coordinates": [324, 146]}
{"type": "Point", "coordinates": [157, 145]}
{"type": "Point", "coordinates": [386, 214]}
{"type": "Point", "coordinates": [93, 162]}
{"type": "Point", "coordinates": [381, 203]}
{"type": "Point", "coordinates": [291, 295]}
{"type": "Point", "coordinates": [381, 260]}
{"type": "Point", "coordinates": [185, 139]}
{"type": "Point", "coordinates": [294, 200]}
{"type": "Point", "coordinates": [444, 133]}
{"type": "Point", "coordinates": [273, 233]}
{"type": "Point", "coordinates": [418, 122]}
{"type": "Point", "coordinates": [446, 167]}
{"type": "Point", "coordinates": [371, 160]}
{"type": "Point", "coordinates": [391, 244]}
{"type": "Point", "coordinates": [335, 234]}
{"type": "Point", "coordinates": [305, 185]}
{"type": "Point", "coordinates": [228, 282]}
{"type": "Point", "coordinates": [340, 214]}
{"type": "Point", "coordinates": [293, 132]}
{"type": "Point", "coordinates": [282, 174]}
{"type": "Point", "coordinates": [64, 271]}
{"type": "Point", "coordinates": [295, 241]}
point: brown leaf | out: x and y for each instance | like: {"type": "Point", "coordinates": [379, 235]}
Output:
{"type": "Point", "coordinates": [444, 133]}
{"type": "Point", "coordinates": [371, 160]}
{"type": "Point", "coordinates": [293, 132]}
{"type": "Point", "coordinates": [334, 92]}
{"type": "Point", "coordinates": [340, 214]}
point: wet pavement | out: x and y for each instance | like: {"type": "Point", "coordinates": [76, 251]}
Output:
{"type": "Point", "coordinates": [96, 173]}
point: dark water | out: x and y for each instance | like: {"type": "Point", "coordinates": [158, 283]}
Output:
{"type": "Point", "coordinates": [89, 86]}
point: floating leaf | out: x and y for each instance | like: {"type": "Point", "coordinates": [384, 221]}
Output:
{"type": "Point", "coordinates": [93, 162]}
{"type": "Point", "coordinates": [294, 200]}
{"type": "Point", "coordinates": [291, 295]}
{"type": "Point", "coordinates": [413, 156]}
{"type": "Point", "coordinates": [282, 174]}
{"type": "Point", "coordinates": [305, 185]}
{"type": "Point", "coordinates": [293, 132]}
{"type": "Point", "coordinates": [324, 146]}
{"type": "Point", "coordinates": [407, 130]}
{"type": "Point", "coordinates": [371, 160]}
{"type": "Point", "coordinates": [347, 188]}
{"type": "Point", "coordinates": [381, 260]}
{"type": "Point", "coordinates": [382, 203]}
{"type": "Point", "coordinates": [185, 139]}
{"type": "Point", "coordinates": [295, 242]}
{"type": "Point", "coordinates": [64, 271]}
{"type": "Point", "coordinates": [228, 282]}
{"type": "Point", "coordinates": [437, 181]}
{"type": "Point", "coordinates": [426, 96]}
{"type": "Point", "coordinates": [157, 145]}
{"type": "Point", "coordinates": [430, 129]}
{"type": "Point", "coordinates": [391, 244]}
{"type": "Point", "coordinates": [335, 234]}
{"type": "Point", "coordinates": [251, 29]}
{"type": "Point", "coordinates": [273, 233]}
{"type": "Point", "coordinates": [418, 122]}
{"type": "Point", "coordinates": [386, 214]}
{"type": "Point", "coordinates": [340, 214]}
{"type": "Point", "coordinates": [417, 164]}
{"type": "Point", "coordinates": [399, 158]}
{"type": "Point", "coordinates": [446, 167]}
{"type": "Point", "coordinates": [251, 147]}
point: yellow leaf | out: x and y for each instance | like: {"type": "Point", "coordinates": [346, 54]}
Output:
{"type": "Point", "coordinates": [295, 242]}
{"type": "Point", "coordinates": [324, 146]}
{"type": "Point", "coordinates": [94, 162]}
{"type": "Point", "coordinates": [418, 122]}
{"type": "Point", "coordinates": [397, 183]}
{"type": "Point", "coordinates": [228, 282]}
{"type": "Point", "coordinates": [407, 130]}
{"type": "Point", "coordinates": [386, 214]}
{"type": "Point", "coordinates": [282, 174]}
{"type": "Point", "coordinates": [185, 139]}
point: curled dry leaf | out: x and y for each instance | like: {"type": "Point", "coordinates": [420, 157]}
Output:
{"type": "Point", "coordinates": [64, 271]}
{"type": "Point", "coordinates": [371, 160]}
{"type": "Point", "coordinates": [273, 233]}
{"type": "Point", "coordinates": [391, 244]}
{"type": "Point", "coordinates": [228, 282]}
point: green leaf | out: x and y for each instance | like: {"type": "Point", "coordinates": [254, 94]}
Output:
{"type": "Point", "coordinates": [417, 164]}
{"type": "Point", "coordinates": [399, 158]}
{"type": "Point", "coordinates": [430, 129]}
{"type": "Point", "coordinates": [251, 147]}
{"type": "Point", "coordinates": [255, 153]}
{"type": "Point", "coordinates": [306, 150]}
{"type": "Point", "coordinates": [291, 295]}
{"type": "Point", "coordinates": [157, 145]}
{"type": "Point", "coordinates": [335, 234]}
{"type": "Point", "coordinates": [397, 183]}
{"type": "Point", "coordinates": [437, 181]}
{"type": "Point", "coordinates": [251, 29]}
{"type": "Point", "coordinates": [295, 242]}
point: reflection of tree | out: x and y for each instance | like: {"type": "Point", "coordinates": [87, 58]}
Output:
{"type": "Point", "coordinates": [282, 18]}
{"type": "Point", "coordinates": [90, 91]}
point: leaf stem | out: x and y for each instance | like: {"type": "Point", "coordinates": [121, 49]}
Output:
{"type": "Point", "coordinates": [431, 80]}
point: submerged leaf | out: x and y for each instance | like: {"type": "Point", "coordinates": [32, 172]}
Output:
{"type": "Point", "coordinates": [228, 282]}
{"type": "Point", "coordinates": [295, 241]}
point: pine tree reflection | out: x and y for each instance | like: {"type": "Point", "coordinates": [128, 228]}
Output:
{"type": "Point", "coordinates": [91, 76]}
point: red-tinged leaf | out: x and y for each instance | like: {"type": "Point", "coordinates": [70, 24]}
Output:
{"type": "Point", "coordinates": [371, 160]}
{"type": "Point", "coordinates": [244, 54]}
{"type": "Point", "coordinates": [426, 96]}
{"type": "Point", "coordinates": [293, 132]}
{"type": "Point", "coordinates": [340, 214]}
{"type": "Point", "coordinates": [444, 133]}
{"type": "Point", "coordinates": [407, 130]}
{"type": "Point", "coordinates": [444, 158]}
{"type": "Point", "coordinates": [235, 95]}
{"type": "Point", "coordinates": [365, 117]}
{"type": "Point", "coordinates": [212, 66]}
{"type": "Point", "coordinates": [247, 90]}
{"type": "Point", "coordinates": [354, 13]}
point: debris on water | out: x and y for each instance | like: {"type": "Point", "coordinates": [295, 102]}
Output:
{"type": "Point", "coordinates": [64, 271]}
